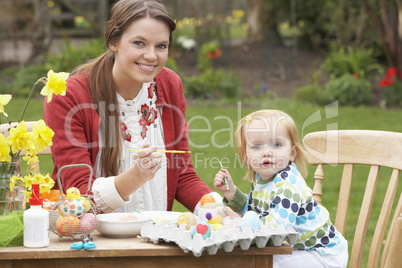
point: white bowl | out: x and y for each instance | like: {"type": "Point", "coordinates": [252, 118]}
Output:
{"type": "Point", "coordinates": [117, 225]}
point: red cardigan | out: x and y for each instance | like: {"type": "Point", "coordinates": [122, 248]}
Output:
{"type": "Point", "coordinates": [75, 122]}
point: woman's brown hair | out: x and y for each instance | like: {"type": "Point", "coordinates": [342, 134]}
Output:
{"type": "Point", "coordinates": [99, 73]}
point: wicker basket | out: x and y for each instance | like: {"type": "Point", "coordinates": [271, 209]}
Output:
{"type": "Point", "coordinates": [74, 217]}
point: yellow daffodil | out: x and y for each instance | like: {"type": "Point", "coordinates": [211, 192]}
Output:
{"type": "Point", "coordinates": [13, 182]}
{"type": "Point", "coordinates": [28, 180]}
{"type": "Point", "coordinates": [30, 157]}
{"type": "Point", "coordinates": [28, 194]}
{"type": "Point", "coordinates": [4, 99]}
{"type": "Point", "coordinates": [19, 137]}
{"type": "Point", "coordinates": [238, 13]}
{"type": "Point", "coordinates": [46, 183]}
{"type": "Point", "coordinates": [44, 188]}
{"type": "Point", "coordinates": [42, 135]}
{"type": "Point", "coordinates": [56, 84]}
{"type": "Point", "coordinates": [48, 180]}
{"type": "Point", "coordinates": [4, 149]}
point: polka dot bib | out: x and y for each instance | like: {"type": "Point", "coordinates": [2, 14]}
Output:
{"type": "Point", "coordinates": [288, 201]}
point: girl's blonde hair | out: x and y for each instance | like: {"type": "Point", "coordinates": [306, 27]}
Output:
{"type": "Point", "coordinates": [280, 117]}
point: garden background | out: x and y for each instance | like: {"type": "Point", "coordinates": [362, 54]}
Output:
{"type": "Point", "coordinates": [329, 64]}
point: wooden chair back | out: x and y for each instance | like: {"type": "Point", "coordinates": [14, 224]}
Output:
{"type": "Point", "coordinates": [363, 147]}
{"type": "Point", "coordinates": [5, 129]}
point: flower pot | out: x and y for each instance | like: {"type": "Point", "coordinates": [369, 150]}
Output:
{"type": "Point", "coordinates": [10, 200]}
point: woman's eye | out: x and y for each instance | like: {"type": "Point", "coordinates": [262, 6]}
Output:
{"type": "Point", "coordinates": [162, 46]}
{"type": "Point", "coordinates": [138, 43]}
{"type": "Point", "coordinates": [276, 145]}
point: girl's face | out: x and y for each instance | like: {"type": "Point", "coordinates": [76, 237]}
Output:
{"type": "Point", "coordinates": [269, 149]}
{"type": "Point", "coordinates": [140, 54]}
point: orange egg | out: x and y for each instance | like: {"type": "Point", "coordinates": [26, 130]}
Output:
{"type": "Point", "coordinates": [67, 225]}
{"type": "Point", "coordinates": [207, 199]}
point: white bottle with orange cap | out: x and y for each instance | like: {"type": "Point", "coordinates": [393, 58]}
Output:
{"type": "Point", "coordinates": [36, 222]}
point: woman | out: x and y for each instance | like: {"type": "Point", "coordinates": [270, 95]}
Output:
{"type": "Point", "coordinates": [126, 99]}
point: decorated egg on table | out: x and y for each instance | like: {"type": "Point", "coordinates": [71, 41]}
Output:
{"type": "Point", "coordinates": [188, 219]}
{"type": "Point", "coordinates": [221, 210]}
{"type": "Point", "coordinates": [215, 219]}
{"type": "Point", "coordinates": [216, 226]}
{"type": "Point", "coordinates": [207, 202]}
{"type": "Point", "coordinates": [74, 193]}
{"type": "Point", "coordinates": [67, 225]}
{"type": "Point", "coordinates": [252, 220]}
{"type": "Point", "coordinates": [202, 228]}
{"type": "Point", "coordinates": [74, 207]}
{"type": "Point", "coordinates": [88, 223]}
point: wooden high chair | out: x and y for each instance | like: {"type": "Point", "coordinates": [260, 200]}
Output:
{"type": "Point", "coordinates": [375, 149]}
{"type": "Point", "coordinates": [5, 129]}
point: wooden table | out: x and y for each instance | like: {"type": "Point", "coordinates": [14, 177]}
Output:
{"type": "Point", "coordinates": [132, 252]}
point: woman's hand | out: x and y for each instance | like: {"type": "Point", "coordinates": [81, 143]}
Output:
{"type": "Point", "coordinates": [147, 163]}
{"type": "Point", "coordinates": [220, 184]}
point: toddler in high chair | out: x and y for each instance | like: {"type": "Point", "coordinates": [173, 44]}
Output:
{"type": "Point", "coordinates": [268, 143]}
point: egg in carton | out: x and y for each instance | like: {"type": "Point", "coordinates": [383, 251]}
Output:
{"type": "Point", "coordinates": [234, 232]}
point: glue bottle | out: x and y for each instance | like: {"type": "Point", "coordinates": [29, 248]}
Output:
{"type": "Point", "coordinates": [36, 222]}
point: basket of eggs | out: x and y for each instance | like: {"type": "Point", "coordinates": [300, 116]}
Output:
{"type": "Point", "coordinates": [74, 215]}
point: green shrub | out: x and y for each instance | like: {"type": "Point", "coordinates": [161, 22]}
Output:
{"type": "Point", "coordinates": [311, 94]}
{"type": "Point", "coordinates": [71, 56]}
{"type": "Point", "coordinates": [171, 64]}
{"type": "Point", "coordinates": [207, 53]}
{"type": "Point", "coordinates": [5, 88]}
{"type": "Point", "coordinates": [393, 94]}
{"type": "Point", "coordinates": [213, 84]}
{"type": "Point", "coordinates": [25, 79]}
{"type": "Point", "coordinates": [352, 61]}
{"type": "Point", "coordinates": [349, 90]}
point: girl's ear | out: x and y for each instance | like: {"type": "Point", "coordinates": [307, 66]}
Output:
{"type": "Point", "coordinates": [293, 153]}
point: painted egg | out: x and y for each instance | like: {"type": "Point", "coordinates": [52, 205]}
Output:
{"type": "Point", "coordinates": [215, 219]}
{"type": "Point", "coordinates": [87, 204]}
{"type": "Point", "coordinates": [202, 228]}
{"type": "Point", "coordinates": [207, 202]}
{"type": "Point", "coordinates": [216, 226]}
{"type": "Point", "coordinates": [74, 207]}
{"type": "Point", "coordinates": [221, 210]}
{"type": "Point", "coordinates": [88, 223]}
{"type": "Point", "coordinates": [204, 213]}
{"type": "Point", "coordinates": [250, 219]}
{"type": "Point", "coordinates": [67, 225]}
{"type": "Point", "coordinates": [188, 219]}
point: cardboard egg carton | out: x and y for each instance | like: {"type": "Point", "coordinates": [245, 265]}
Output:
{"type": "Point", "coordinates": [226, 237]}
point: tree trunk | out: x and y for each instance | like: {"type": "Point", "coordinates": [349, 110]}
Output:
{"type": "Point", "coordinates": [261, 19]}
{"type": "Point", "coordinates": [41, 33]}
{"type": "Point", "coordinates": [389, 28]}
{"type": "Point", "coordinates": [254, 20]}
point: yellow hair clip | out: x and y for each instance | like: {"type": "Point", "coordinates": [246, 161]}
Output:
{"type": "Point", "coordinates": [249, 117]}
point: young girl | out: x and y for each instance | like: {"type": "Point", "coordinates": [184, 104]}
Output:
{"type": "Point", "coordinates": [268, 143]}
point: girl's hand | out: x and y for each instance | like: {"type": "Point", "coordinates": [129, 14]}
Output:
{"type": "Point", "coordinates": [220, 184]}
{"type": "Point", "coordinates": [147, 163]}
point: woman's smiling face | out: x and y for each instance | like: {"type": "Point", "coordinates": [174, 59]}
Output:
{"type": "Point", "coordinates": [140, 54]}
{"type": "Point", "coordinates": [269, 149]}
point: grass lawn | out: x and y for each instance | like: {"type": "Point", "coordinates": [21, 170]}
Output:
{"type": "Point", "coordinates": [212, 138]}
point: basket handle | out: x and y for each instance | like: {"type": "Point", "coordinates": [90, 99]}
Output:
{"type": "Point", "coordinates": [75, 165]}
